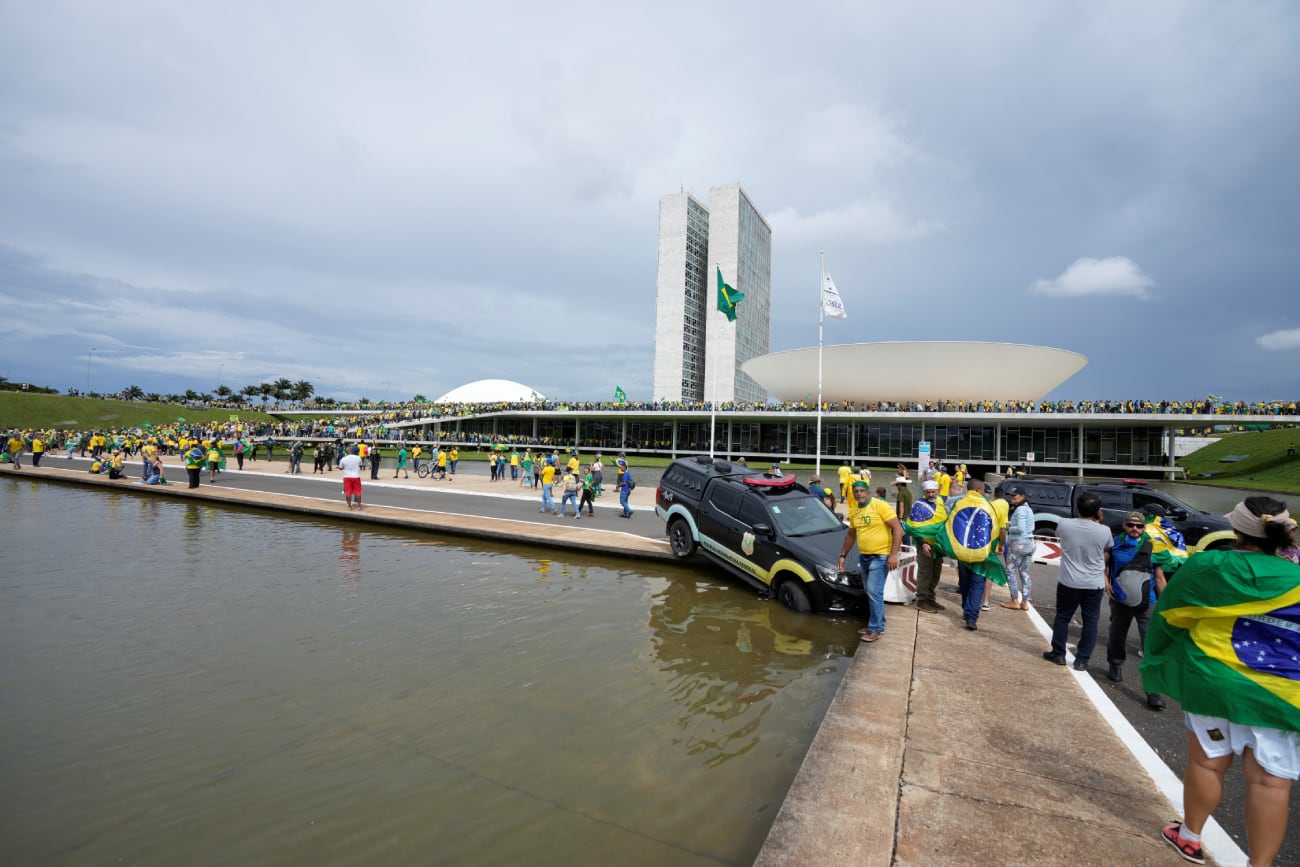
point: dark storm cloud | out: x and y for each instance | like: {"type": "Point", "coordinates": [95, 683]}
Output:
{"type": "Point", "coordinates": [408, 199]}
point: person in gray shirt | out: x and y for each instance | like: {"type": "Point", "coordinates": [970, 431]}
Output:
{"type": "Point", "coordinates": [1083, 580]}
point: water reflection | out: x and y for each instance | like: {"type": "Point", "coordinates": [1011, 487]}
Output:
{"type": "Point", "coordinates": [234, 701]}
{"type": "Point", "coordinates": [350, 560]}
{"type": "Point", "coordinates": [726, 658]}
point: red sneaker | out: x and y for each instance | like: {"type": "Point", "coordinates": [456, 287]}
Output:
{"type": "Point", "coordinates": [1190, 851]}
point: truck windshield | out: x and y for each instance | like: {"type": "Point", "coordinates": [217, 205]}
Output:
{"type": "Point", "coordinates": [803, 516]}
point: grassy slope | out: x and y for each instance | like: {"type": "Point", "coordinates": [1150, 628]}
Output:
{"type": "Point", "coordinates": [22, 410]}
{"type": "Point", "coordinates": [1266, 466]}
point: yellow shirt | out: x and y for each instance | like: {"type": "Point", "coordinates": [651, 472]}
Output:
{"type": "Point", "coordinates": [945, 484]}
{"type": "Point", "coordinates": [548, 475]}
{"type": "Point", "coordinates": [871, 524]}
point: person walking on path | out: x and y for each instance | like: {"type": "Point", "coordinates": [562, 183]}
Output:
{"type": "Point", "coordinates": [351, 465]}
{"type": "Point", "coordinates": [1082, 580]}
{"type": "Point", "coordinates": [588, 493]}
{"type": "Point", "coordinates": [1130, 555]}
{"type": "Point", "coordinates": [572, 485]}
{"type": "Point", "coordinates": [401, 463]}
{"type": "Point", "coordinates": [874, 529]}
{"type": "Point", "coordinates": [194, 457]}
{"type": "Point", "coordinates": [547, 476]}
{"type": "Point", "coordinates": [1018, 546]}
{"type": "Point", "coordinates": [15, 448]}
{"type": "Point", "coordinates": [1223, 643]}
{"type": "Point", "coordinates": [373, 454]}
{"type": "Point", "coordinates": [625, 485]}
{"type": "Point", "coordinates": [597, 475]}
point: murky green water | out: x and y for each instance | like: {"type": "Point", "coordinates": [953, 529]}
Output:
{"type": "Point", "coordinates": [182, 684]}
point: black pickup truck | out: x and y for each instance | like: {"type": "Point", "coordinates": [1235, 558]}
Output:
{"type": "Point", "coordinates": [768, 531]}
{"type": "Point", "coordinates": [1054, 499]}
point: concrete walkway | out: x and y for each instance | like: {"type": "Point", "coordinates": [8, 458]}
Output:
{"type": "Point", "coordinates": [942, 746]}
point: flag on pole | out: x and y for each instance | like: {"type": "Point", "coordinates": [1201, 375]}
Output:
{"type": "Point", "coordinates": [728, 298]}
{"type": "Point", "coordinates": [620, 396]}
{"type": "Point", "coordinates": [832, 305]}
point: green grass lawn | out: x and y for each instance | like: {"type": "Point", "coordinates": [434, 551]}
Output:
{"type": "Point", "coordinates": [1265, 465]}
{"type": "Point", "coordinates": [26, 410]}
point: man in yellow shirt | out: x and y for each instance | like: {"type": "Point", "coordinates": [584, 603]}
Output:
{"type": "Point", "coordinates": [846, 481]}
{"type": "Point", "coordinates": [38, 448]}
{"type": "Point", "coordinates": [548, 485]}
{"type": "Point", "coordinates": [878, 534]}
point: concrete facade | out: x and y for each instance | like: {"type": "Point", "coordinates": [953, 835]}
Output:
{"type": "Point", "coordinates": [740, 243]}
{"type": "Point", "coordinates": [698, 352]}
{"type": "Point", "coordinates": [681, 293]}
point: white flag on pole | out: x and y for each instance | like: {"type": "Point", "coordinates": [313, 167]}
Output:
{"type": "Point", "coordinates": [832, 305]}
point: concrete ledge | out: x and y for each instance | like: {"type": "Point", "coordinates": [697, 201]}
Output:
{"type": "Point", "coordinates": [589, 540]}
{"type": "Point", "coordinates": [843, 804]}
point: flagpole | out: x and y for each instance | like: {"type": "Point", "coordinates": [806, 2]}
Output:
{"type": "Point", "coordinates": [821, 319]}
{"type": "Point", "coordinates": [713, 383]}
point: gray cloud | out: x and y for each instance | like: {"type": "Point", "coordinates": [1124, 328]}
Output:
{"type": "Point", "coordinates": [407, 199]}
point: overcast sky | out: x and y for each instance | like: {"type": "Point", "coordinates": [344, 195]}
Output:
{"type": "Point", "coordinates": [398, 198]}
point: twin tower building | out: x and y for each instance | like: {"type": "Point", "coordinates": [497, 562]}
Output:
{"type": "Point", "coordinates": [698, 351]}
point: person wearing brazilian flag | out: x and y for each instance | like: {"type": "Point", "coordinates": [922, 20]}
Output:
{"type": "Point", "coordinates": [875, 530]}
{"type": "Point", "coordinates": [929, 511]}
{"type": "Point", "coordinates": [1225, 642]}
{"type": "Point", "coordinates": [967, 535]}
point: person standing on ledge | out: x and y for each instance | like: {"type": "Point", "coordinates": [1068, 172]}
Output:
{"type": "Point", "coordinates": [1223, 642]}
{"type": "Point", "coordinates": [1082, 581]}
{"type": "Point", "coordinates": [875, 530]}
{"type": "Point", "coordinates": [351, 465]}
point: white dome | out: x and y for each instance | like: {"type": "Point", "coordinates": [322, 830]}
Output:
{"type": "Point", "coordinates": [916, 371]}
{"type": "Point", "coordinates": [491, 391]}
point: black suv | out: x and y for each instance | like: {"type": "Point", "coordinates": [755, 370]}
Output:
{"type": "Point", "coordinates": [1054, 499]}
{"type": "Point", "coordinates": [769, 531]}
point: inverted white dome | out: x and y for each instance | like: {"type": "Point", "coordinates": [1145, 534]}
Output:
{"type": "Point", "coordinates": [491, 391]}
{"type": "Point", "coordinates": [916, 371]}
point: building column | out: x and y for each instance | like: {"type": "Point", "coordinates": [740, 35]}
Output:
{"type": "Point", "coordinates": [577, 431]}
{"type": "Point", "coordinates": [1082, 447]}
{"type": "Point", "coordinates": [674, 437]}
{"type": "Point", "coordinates": [789, 439]}
{"type": "Point", "coordinates": [622, 447]}
{"type": "Point", "coordinates": [1173, 466]}
{"type": "Point", "coordinates": [997, 447]}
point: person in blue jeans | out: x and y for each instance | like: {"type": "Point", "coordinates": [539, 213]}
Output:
{"type": "Point", "coordinates": [1082, 581]}
{"type": "Point", "coordinates": [877, 533]}
{"type": "Point", "coordinates": [624, 487]}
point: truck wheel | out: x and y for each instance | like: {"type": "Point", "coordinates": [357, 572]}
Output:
{"type": "Point", "coordinates": [1044, 529]}
{"type": "Point", "coordinates": [679, 538]}
{"type": "Point", "coordinates": [792, 596]}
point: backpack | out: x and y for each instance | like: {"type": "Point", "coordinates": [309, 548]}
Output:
{"type": "Point", "coordinates": [570, 482]}
{"type": "Point", "coordinates": [631, 482]}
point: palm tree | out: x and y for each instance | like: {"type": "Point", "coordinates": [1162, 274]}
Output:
{"type": "Point", "coordinates": [302, 389]}
{"type": "Point", "coordinates": [191, 394]}
{"type": "Point", "coordinates": [153, 397]}
{"type": "Point", "coordinates": [249, 392]}
{"type": "Point", "coordinates": [265, 390]}
{"type": "Point", "coordinates": [133, 392]}
{"type": "Point", "coordinates": [224, 392]}
{"type": "Point", "coordinates": [282, 388]}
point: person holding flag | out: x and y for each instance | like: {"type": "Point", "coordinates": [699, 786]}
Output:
{"type": "Point", "coordinates": [927, 512]}
{"type": "Point", "coordinates": [620, 396]}
{"type": "Point", "coordinates": [968, 535]}
{"type": "Point", "coordinates": [1224, 642]}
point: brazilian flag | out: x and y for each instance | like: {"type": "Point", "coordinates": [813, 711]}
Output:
{"type": "Point", "coordinates": [620, 396]}
{"type": "Point", "coordinates": [728, 298]}
{"type": "Point", "coordinates": [968, 535]}
{"type": "Point", "coordinates": [1168, 549]}
{"type": "Point", "coordinates": [1225, 639]}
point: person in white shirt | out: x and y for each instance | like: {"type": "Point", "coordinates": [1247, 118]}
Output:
{"type": "Point", "coordinates": [351, 464]}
